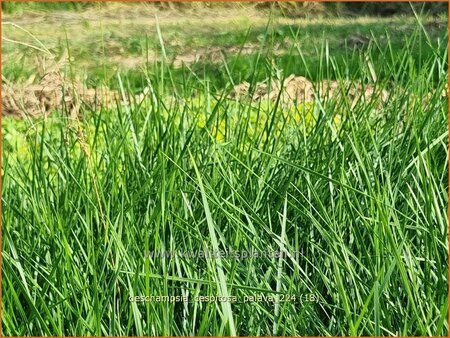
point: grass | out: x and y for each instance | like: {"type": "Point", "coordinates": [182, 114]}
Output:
{"type": "Point", "coordinates": [358, 205]}
{"type": "Point", "coordinates": [101, 45]}
{"type": "Point", "coordinates": [19, 7]}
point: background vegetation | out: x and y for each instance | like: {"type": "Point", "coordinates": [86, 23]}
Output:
{"type": "Point", "coordinates": [289, 8]}
{"type": "Point", "coordinates": [360, 190]}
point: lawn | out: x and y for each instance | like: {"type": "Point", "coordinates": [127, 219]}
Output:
{"type": "Point", "coordinates": [196, 211]}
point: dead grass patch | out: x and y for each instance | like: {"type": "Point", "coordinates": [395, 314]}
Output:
{"type": "Point", "coordinates": [52, 92]}
{"type": "Point", "coordinates": [300, 89]}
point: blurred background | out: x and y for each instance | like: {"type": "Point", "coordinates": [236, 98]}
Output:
{"type": "Point", "coordinates": [294, 9]}
{"type": "Point", "coordinates": [207, 39]}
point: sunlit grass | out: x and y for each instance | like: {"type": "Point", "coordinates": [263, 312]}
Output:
{"type": "Point", "coordinates": [357, 196]}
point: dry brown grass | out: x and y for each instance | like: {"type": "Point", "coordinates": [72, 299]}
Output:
{"type": "Point", "coordinates": [298, 88]}
{"type": "Point", "coordinates": [53, 91]}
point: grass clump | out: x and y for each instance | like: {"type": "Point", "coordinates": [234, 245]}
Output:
{"type": "Point", "coordinates": [355, 195]}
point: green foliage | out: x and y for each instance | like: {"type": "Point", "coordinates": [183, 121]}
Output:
{"type": "Point", "coordinates": [14, 7]}
{"type": "Point", "coordinates": [356, 194]}
{"type": "Point", "coordinates": [292, 9]}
